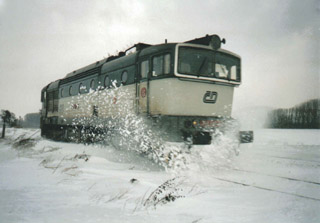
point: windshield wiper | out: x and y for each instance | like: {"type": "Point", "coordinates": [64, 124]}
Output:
{"type": "Point", "coordinates": [201, 66]}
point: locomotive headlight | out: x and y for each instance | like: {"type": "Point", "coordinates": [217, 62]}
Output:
{"type": "Point", "coordinates": [194, 123]}
{"type": "Point", "coordinates": [215, 42]}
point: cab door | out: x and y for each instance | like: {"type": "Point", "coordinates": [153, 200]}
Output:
{"type": "Point", "coordinates": [143, 87]}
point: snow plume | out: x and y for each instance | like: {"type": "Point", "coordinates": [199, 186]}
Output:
{"type": "Point", "coordinates": [218, 155]}
{"type": "Point", "coordinates": [208, 158]}
{"type": "Point", "coordinates": [126, 130]}
{"type": "Point", "coordinates": [123, 128]}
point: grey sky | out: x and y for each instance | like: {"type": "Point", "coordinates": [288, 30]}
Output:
{"type": "Point", "coordinates": [42, 40]}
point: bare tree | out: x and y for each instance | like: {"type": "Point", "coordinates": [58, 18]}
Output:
{"type": "Point", "coordinates": [7, 118]}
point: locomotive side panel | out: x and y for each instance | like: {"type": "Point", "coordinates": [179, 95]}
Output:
{"type": "Point", "coordinates": [117, 102]}
{"type": "Point", "coordinates": [104, 104]}
{"type": "Point", "coordinates": [143, 97]}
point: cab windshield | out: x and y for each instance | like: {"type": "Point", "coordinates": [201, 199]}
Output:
{"type": "Point", "coordinates": [208, 63]}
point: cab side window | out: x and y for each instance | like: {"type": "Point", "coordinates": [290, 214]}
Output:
{"type": "Point", "coordinates": [144, 69]}
{"type": "Point", "coordinates": [157, 65]}
{"type": "Point", "coordinates": [167, 59]}
{"type": "Point", "coordinates": [161, 65]}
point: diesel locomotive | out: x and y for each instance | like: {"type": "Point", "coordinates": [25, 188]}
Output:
{"type": "Point", "coordinates": [186, 89]}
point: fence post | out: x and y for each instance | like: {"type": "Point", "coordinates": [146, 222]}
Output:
{"type": "Point", "coordinates": [3, 129]}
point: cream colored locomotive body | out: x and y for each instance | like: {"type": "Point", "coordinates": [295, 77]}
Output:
{"type": "Point", "coordinates": [180, 94]}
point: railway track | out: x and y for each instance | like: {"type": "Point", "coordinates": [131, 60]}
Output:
{"type": "Point", "coordinates": [303, 160]}
{"type": "Point", "coordinates": [267, 189]}
{"type": "Point", "coordinates": [271, 189]}
{"type": "Point", "coordinates": [291, 158]}
{"type": "Point", "coordinates": [287, 178]}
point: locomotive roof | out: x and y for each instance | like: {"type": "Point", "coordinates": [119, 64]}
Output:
{"type": "Point", "coordinates": [88, 67]}
{"type": "Point", "coordinates": [53, 85]}
{"type": "Point", "coordinates": [157, 48]}
{"type": "Point", "coordinates": [119, 62]}
{"type": "Point", "coordinates": [122, 60]}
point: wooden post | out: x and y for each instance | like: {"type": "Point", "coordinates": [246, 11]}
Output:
{"type": "Point", "coordinates": [3, 129]}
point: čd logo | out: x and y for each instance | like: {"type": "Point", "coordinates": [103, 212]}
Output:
{"type": "Point", "coordinates": [210, 97]}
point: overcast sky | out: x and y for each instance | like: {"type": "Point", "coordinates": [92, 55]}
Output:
{"type": "Point", "coordinates": [42, 40]}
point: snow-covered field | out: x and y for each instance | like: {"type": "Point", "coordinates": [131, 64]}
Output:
{"type": "Point", "coordinates": [275, 179]}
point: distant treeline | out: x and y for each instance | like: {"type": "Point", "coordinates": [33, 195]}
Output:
{"type": "Point", "coordinates": [303, 116]}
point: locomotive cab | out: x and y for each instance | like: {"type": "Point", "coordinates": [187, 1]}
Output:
{"type": "Point", "coordinates": [189, 90]}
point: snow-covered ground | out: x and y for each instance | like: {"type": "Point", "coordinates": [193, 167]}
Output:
{"type": "Point", "coordinates": [275, 179]}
